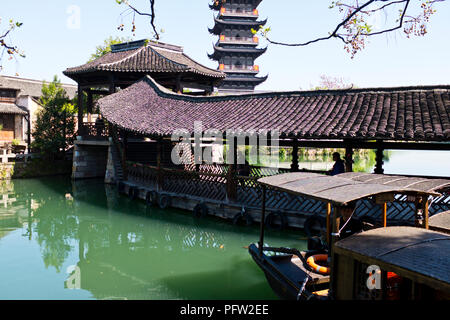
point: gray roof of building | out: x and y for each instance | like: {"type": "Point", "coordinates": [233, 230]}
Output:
{"type": "Point", "coordinates": [11, 108]}
{"type": "Point", "coordinates": [33, 88]}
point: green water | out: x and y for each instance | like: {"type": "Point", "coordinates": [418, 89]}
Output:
{"type": "Point", "coordinates": [60, 240]}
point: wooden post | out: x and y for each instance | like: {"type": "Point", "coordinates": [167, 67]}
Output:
{"type": "Point", "coordinates": [328, 222]}
{"type": "Point", "coordinates": [29, 132]}
{"type": "Point", "coordinates": [159, 164]}
{"type": "Point", "coordinates": [379, 160]}
{"type": "Point", "coordinates": [178, 87]}
{"type": "Point", "coordinates": [231, 175]}
{"type": "Point", "coordinates": [384, 214]}
{"type": "Point", "coordinates": [419, 206]}
{"type": "Point", "coordinates": [89, 105]}
{"type": "Point", "coordinates": [348, 159]}
{"type": "Point", "coordinates": [294, 165]}
{"type": "Point", "coordinates": [334, 238]}
{"type": "Point", "coordinates": [425, 204]}
{"type": "Point", "coordinates": [263, 218]}
{"type": "Point", "coordinates": [80, 111]}
{"type": "Point", "coordinates": [112, 85]}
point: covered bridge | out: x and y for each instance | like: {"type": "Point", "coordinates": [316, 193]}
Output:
{"type": "Point", "coordinates": [143, 117]}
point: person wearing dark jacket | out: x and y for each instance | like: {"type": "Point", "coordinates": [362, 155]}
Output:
{"type": "Point", "coordinates": [338, 166]}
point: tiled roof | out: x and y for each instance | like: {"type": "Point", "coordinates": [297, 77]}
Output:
{"type": "Point", "coordinates": [151, 57]}
{"type": "Point", "coordinates": [11, 108]}
{"type": "Point", "coordinates": [408, 113]}
{"type": "Point", "coordinates": [33, 88]}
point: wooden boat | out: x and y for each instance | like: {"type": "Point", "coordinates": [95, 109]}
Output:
{"type": "Point", "coordinates": [289, 272]}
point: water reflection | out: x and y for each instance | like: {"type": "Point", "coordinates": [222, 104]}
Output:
{"type": "Point", "coordinates": [88, 237]}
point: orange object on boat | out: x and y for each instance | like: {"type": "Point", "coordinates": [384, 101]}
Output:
{"type": "Point", "coordinates": [311, 261]}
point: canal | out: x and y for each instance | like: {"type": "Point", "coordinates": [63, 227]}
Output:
{"type": "Point", "coordinates": [80, 240]}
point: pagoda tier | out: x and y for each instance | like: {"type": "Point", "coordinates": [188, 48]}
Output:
{"type": "Point", "coordinates": [221, 52]}
{"type": "Point", "coordinates": [217, 4]}
{"type": "Point", "coordinates": [222, 25]}
{"type": "Point", "coordinates": [236, 49]}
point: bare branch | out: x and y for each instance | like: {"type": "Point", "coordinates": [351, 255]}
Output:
{"type": "Point", "coordinates": [151, 15]}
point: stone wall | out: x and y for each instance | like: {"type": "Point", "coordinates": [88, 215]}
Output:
{"type": "Point", "coordinates": [34, 168]}
{"type": "Point", "coordinates": [90, 159]}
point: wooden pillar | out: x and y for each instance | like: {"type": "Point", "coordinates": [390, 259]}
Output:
{"type": "Point", "coordinates": [263, 218]}
{"type": "Point", "coordinates": [328, 222]}
{"type": "Point", "coordinates": [294, 165]}
{"type": "Point", "coordinates": [29, 132]}
{"type": "Point", "coordinates": [425, 212]}
{"type": "Point", "coordinates": [112, 85]}
{"type": "Point", "coordinates": [178, 87]}
{"type": "Point", "coordinates": [80, 111]}
{"type": "Point", "coordinates": [334, 238]}
{"type": "Point", "coordinates": [384, 217]}
{"type": "Point", "coordinates": [419, 211]}
{"type": "Point", "coordinates": [348, 159]}
{"type": "Point", "coordinates": [159, 164]}
{"type": "Point", "coordinates": [231, 175]}
{"type": "Point", "coordinates": [89, 105]}
{"type": "Point", "coordinates": [379, 160]}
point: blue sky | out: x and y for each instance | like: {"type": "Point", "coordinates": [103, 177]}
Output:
{"type": "Point", "coordinates": [51, 45]}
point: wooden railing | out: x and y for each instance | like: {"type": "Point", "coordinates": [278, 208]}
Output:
{"type": "Point", "coordinates": [213, 182]}
{"type": "Point", "coordinates": [98, 130]}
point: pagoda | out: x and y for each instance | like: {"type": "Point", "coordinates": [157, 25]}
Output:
{"type": "Point", "coordinates": [237, 47]}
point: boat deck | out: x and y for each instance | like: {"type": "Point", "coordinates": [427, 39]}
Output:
{"type": "Point", "coordinates": [293, 266]}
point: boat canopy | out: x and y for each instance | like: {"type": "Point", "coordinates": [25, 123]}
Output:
{"type": "Point", "coordinates": [346, 187]}
{"type": "Point", "coordinates": [418, 252]}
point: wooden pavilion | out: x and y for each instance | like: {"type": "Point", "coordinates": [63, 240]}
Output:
{"type": "Point", "coordinates": [129, 62]}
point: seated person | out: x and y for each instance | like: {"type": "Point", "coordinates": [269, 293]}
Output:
{"type": "Point", "coordinates": [338, 166]}
{"type": "Point", "coordinates": [348, 227]}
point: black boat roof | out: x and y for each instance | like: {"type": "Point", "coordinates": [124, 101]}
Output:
{"type": "Point", "coordinates": [352, 186]}
{"type": "Point", "coordinates": [415, 253]}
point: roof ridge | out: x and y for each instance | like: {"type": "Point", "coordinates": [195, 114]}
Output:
{"type": "Point", "coordinates": [123, 59]}
{"type": "Point", "coordinates": [170, 60]}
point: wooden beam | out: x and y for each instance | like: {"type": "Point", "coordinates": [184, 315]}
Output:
{"type": "Point", "coordinates": [384, 214]}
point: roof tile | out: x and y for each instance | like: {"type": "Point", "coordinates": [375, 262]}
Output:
{"type": "Point", "coordinates": [412, 113]}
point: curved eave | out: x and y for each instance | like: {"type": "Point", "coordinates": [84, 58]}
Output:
{"type": "Point", "coordinates": [217, 7]}
{"type": "Point", "coordinates": [257, 80]}
{"type": "Point", "coordinates": [140, 64]}
{"type": "Point", "coordinates": [220, 51]}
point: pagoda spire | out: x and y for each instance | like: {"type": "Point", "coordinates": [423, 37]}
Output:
{"type": "Point", "coordinates": [237, 47]}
